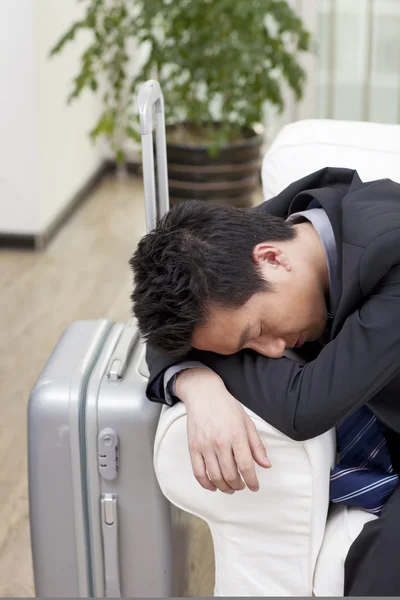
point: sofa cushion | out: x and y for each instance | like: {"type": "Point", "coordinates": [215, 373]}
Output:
{"type": "Point", "coordinates": [344, 525]}
{"type": "Point", "coordinates": [372, 149]}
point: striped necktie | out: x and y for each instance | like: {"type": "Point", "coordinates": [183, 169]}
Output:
{"type": "Point", "coordinates": [364, 476]}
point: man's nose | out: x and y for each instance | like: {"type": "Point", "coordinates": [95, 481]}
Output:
{"type": "Point", "coordinates": [273, 348]}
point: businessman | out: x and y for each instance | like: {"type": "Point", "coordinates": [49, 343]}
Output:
{"type": "Point", "coordinates": [220, 295]}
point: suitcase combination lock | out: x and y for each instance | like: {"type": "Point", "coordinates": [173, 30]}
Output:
{"type": "Point", "coordinates": [108, 453]}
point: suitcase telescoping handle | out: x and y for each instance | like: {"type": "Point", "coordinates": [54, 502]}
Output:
{"type": "Point", "coordinates": [150, 96]}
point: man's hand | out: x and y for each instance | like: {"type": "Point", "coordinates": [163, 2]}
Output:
{"type": "Point", "coordinates": [223, 440]}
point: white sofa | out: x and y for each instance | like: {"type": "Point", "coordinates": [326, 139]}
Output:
{"type": "Point", "coordinates": [285, 539]}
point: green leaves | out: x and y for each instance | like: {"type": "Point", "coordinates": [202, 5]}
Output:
{"type": "Point", "coordinates": [216, 60]}
{"type": "Point", "coordinates": [106, 125]}
{"type": "Point", "coordinates": [69, 36]}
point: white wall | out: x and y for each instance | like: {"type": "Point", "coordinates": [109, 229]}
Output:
{"type": "Point", "coordinates": [67, 157]}
{"type": "Point", "coordinates": [19, 194]}
{"type": "Point", "coordinates": [45, 153]}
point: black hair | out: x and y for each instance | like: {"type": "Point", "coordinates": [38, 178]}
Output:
{"type": "Point", "coordinates": [198, 256]}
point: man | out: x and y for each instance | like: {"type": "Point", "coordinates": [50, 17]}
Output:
{"type": "Point", "coordinates": [317, 269]}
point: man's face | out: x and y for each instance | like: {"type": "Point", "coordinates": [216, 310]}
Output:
{"type": "Point", "coordinates": [293, 313]}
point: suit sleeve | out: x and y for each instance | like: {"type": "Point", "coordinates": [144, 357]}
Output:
{"type": "Point", "coordinates": [158, 363]}
{"type": "Point", "coordinates": [304, 401]}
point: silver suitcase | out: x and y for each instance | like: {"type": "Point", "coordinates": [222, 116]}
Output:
{"type": "Point", "coordinates": [100, 526]}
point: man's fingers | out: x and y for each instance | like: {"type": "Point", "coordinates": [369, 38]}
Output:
{"type": "Point", "coordinates": [245, 463]}
{"type": "Point", "coordinates": [215, 474]}
{"type": "Point", "coordinates": [257, 448]}
{"type": "Point", "coordinates": [199, 470]}
{"type": "Point", "coordinates": [229, 468]}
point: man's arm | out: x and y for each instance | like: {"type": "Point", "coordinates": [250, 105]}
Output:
{"type": "Point", "coordinates": [305, 401]}
{"type": "Point", "coordinates": [169, 378]}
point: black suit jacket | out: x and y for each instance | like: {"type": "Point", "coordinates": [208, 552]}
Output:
{"type": "Point", "coordinates": [361, 363]}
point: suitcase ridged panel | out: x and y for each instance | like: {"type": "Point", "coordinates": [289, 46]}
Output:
{"type": "Point", "coordinates": [57, 522]}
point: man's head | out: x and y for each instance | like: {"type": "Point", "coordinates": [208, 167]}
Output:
{"type": "Point", "coordinates": [220, 278]}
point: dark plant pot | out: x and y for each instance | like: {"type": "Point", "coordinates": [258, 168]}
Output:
{"type": "Point", "coordinates": [231, 177]}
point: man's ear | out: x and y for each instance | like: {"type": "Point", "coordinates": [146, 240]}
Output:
{"type": "Point", "coordinates": [274, 257]}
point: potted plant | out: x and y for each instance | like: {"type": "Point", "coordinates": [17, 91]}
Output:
{"type": "Point", "coordinates": [218, 63]}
